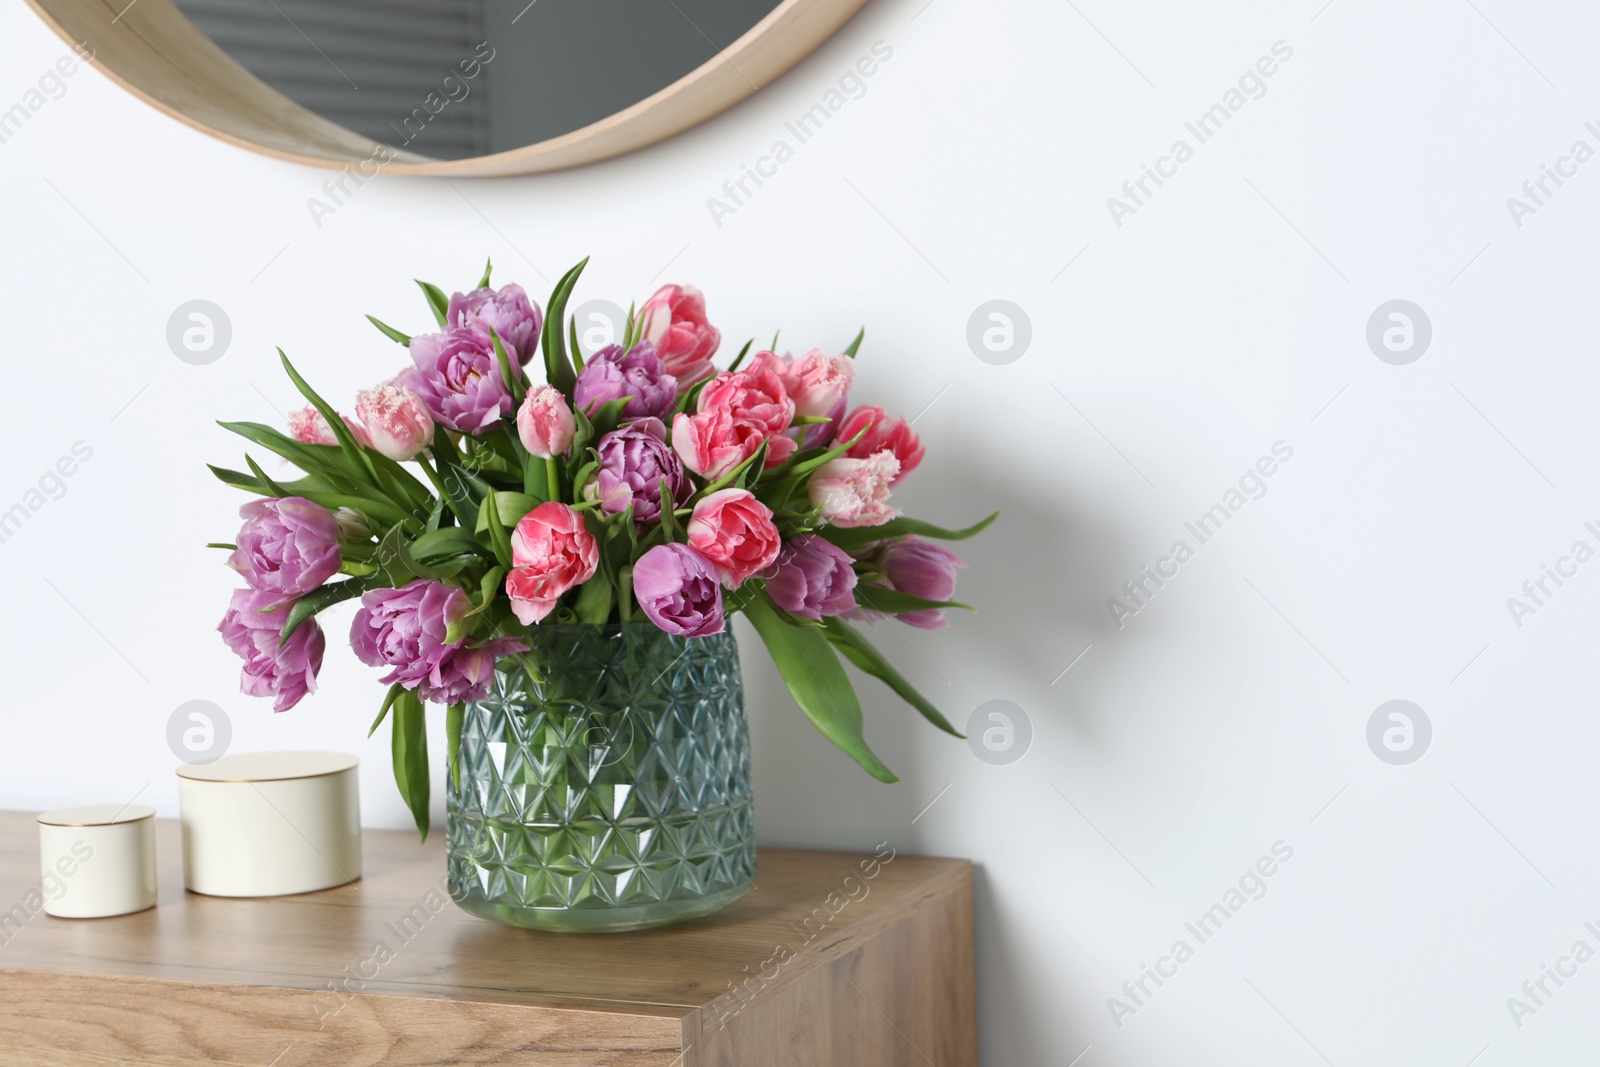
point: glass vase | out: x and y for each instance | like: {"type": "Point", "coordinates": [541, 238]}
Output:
{"type": "Point", "coordinates": [604, 783]}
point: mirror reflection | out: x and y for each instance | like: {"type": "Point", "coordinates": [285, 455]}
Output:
{"type": "Point", "coordinates": [452, 79]}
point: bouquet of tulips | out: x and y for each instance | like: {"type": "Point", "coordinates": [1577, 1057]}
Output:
{"type": "Point", "coordinates": [637, 482]}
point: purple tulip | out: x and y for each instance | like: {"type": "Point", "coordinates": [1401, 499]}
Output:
{"type": "Point", "coordinates": [821, 434]}
{"type": "Point", "coordinates": [404, 629]}
{"type": "Point", "coordinates": [506, 310]}
{"type": "Point", "coordinates": [637, 374]}
{"type": "Point", "coordinates": [633, 460]}
{"type": "Point", "coordinates": [287, 547]}
{"type": "Point", "coordinates": [921, 568]}
{"type": "Point", "coordinates": [458, 377]}
{"type": "Point", "coordinates": [677, 588]}
{"type": "Point", "coordinates": [812, 578]}
{"type": "Point", "coordinates": [464, 675]}
{"type": "Point", "coordinates": [251, 628]}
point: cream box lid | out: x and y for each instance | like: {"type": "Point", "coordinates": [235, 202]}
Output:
{"type": "Point", "coordinates": [97, 815]}
{"type": "Point", "coordinates": [270, 766]}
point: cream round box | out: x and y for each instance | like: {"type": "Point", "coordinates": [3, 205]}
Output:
{"type": "Point", "coordinates": [268, 824]}
{"type": "Point", "coordinates": [97, 861]}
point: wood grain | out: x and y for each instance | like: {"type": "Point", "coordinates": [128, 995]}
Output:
{"type": "Point", "coordinates": [152, 50]}
{"type": "Point", "coordinates": [872, 970]}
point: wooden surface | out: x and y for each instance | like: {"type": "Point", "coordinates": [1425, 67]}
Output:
{"type": "Point", "coordinates": [151, 49]}
{"type": "Point", "coordinates": [833, 960]}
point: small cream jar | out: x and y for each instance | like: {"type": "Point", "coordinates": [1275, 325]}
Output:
{"type": "Point", "coordinates": [98, 860]}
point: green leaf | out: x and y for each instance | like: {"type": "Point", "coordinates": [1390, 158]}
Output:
{"type": "Point", "coordinates": [582, 475]}
{"type": "Point", "coordinates": [557, 368]}
{"type": "Point", "coordinates": [434, 554]}
{"type": "Point", "coordinates": [323, 597]}
{"type": "Point", "coordinates": [691, 397]}
{"type": "Point", "coordinates": [669, 519]}
{"type": "Point", "coordinates": [749, 472]}
{"type": "Point", "coordinates": [512, 377]}
{"type": "Point", "coordinates": [577, 349]}
{"type": "Point", "coordinates": [221, 544]}
{"type": "Point", "coordinates": [369, 509]}
{"type": "Point", "coordinates": [261, 476]}
{"type": "Point", "coordinates": [390, 332]}
{"type": "Point", "coordinates": [488, 588]}
{"type": "Point", "coordinates": [437, 301]}
{"type": "Point", "coordinates": [595, 600]}
{"type": "Point", "coordinates": [388, 702]}
{"type": "Point", "coordinates": [444, 543]}
{"type": "Point", "coordinates": [409, 748]}
{"type": "Point", "coordinates": [582, 434]}
{"type": "Point", "coordinates": [400, 484]}
{"type": "Point", "coordinates": [893, 602]}
{"type": "Point", "coordinates": [327, 462]}
{"type": "Point", "coordinates": [856, 536]}
{"type": "Point", "coordinates": [817, 682]}
{"type": "Point", "coordinates": [463, 489]}
{"type": "Point", "coordinates": [631, 328]}
{"type": "Point", "coordinates": [855, 345]}
{"type": "Point", "coordinates": [512, 507]}
{"type": "Point", "coordinates": [798, 467]}
{"type": "Point", "coordinates": [609, 417]}
{"type": "Point", "coordinates": [395, 559]}
{"type": "Point", "coordinates": [489, 516]}
{"type": "Point", "coordinates": [453, 716]}
{"type": "Point", "coordinates": [488, 269]}
{"type": "Point", "coordinates": [742, 353]}
{"type": "Point", "coordinates": [858, 650]}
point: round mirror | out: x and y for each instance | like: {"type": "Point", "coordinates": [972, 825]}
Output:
{"type": "Point", "coordinates": [472, 87]}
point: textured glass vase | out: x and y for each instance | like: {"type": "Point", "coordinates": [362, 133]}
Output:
{"type": "Point", "coordinates": [611, 794]}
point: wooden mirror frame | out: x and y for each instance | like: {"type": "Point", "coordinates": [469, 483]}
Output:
{"type": "Point", "coordinates": [152, 50]}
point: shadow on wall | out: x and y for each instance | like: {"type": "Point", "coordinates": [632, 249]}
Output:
{"type": "Point", "coordinates": [1038, 578]}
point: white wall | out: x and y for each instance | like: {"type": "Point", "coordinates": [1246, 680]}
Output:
{"type": "Point", "coordinates": [1226, 315]}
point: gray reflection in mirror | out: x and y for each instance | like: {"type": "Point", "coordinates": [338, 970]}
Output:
{"type": "Point", "coordinates": [451, 79]}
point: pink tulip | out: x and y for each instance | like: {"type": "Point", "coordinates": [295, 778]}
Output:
{"type": "Point", "coordinates": [545, 423]}
{"type": "Point", "coordinates": [551, 552]}
{"type": "Point", "coordinates": [882, 432]}
{"type": "Point", "coordinates": [735, 532]}
{"type": "Point", "coordinates": [855, 492]}
{"type": "Point", "coordinates": [396, 420]}
{"type": "Point", "coordinates": [815, 382]}
{"type": "Point", "coordinates": [760, 407]}
{"type": "Point", "coordinates": [674, 320]}
{"type": "Point", "coordinates": [711, 444]}
{"type": "Point", "coordinates": [307, 425]}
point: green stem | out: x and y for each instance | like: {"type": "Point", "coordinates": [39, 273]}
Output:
{"type": "Point", "coordinates": [552, 473]}
{"type": "Point", "coordinates": [625, 594]}
{"type": "Point", "coordinates": [427, 468]}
